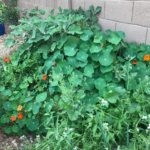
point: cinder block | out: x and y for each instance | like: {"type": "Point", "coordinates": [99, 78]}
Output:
{"type": "Point", "coordinates": [64, 4]}
{"type": "Point", "coordinates": [148, 37]}
{"type": "Point", "coordinates": [141, 13]}
{"type": "Point", "coordinates": [41, 4]}
{"type": "Point", "coordinates": [119, 10]}
{"type": "Point", "coordinates": [107, 24]}
{"type": "Point", "coordinates": [96, 3]}
{"type": "Point", "coordinates": [78, 3]}
{"type": "Point", "coordinates": [134, 33]}
{"type": "Point", "coordinates": [50, 4]}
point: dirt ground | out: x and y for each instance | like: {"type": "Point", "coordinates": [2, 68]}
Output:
{"type": "Point", "coordinates": [14, 142]}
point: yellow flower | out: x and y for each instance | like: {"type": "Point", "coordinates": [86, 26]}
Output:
{"type": "Point", "coordinates": [19, 108]}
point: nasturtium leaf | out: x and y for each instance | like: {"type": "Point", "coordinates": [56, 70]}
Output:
{"type": "Point", "coordinates": [98, 37]}
{"type": "Point", "coordinates": [106, 69]}
{"type": "Point", "coordinates": [62, 41]}
{"type": "Point", "coordinates": [114, 38]}
{"type": "Point", "coordinates": [95, 48]}
{"type": "Point", "coordinates": [4, 119]}
{"type": "Point", "coordinates": [112, 97]}
{"type": "Point", "coordinates": [70, 47]}
{"type": "Point", "coordinates": [89, 70]}
{"type": "Point", "coordinates": [65, 67]}
{"type": "Point", "coordinates": [87, 34]}
{"type": "Point", "coordinates": [7, 106]}
{"type": "Point", "coordinates": [84, 46]}
{"type": "Point", "coordinates": [32, 124]}
{"type": "Point", "coordinates": [74, 29]}
{"type": "Point", "coordinates": [100, 84]}
{"type": "Point", "coordinates": [81, 64]}
{"type": "Point", "coordinates": [41, 97]}
{"type": "Point", "coordinates": [15, 129]}
{"type": "Point", "coordinates": [82, 56]}
{"type": "Point", "coordinates": [88, 84]}
{"type": "Point", "coordinates": [106, 59]}
{"type": "Point", "coordinates": [6, 92]}
{"type": "Point", "coordinates": [36, 107]}
{"type": "Point", "coordinates": [95, 56]}
{"type": "Point", "coordinates": [2, 88]}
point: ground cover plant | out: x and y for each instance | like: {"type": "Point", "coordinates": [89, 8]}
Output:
{"type": "Point", "coordinates": [80, 87]}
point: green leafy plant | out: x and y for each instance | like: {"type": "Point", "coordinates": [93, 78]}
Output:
{"type": "Point", "coordinates": [80, 86]}
{"type": "Point", "coordinates": [11, 13]}
{"type": "Point", "coordinates": [2, 10]}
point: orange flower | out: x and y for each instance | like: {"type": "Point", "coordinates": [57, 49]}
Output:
{"type": "Point", "coordinates": [44, 77]}
{"type": "Point", "coordinates": [19, 108]}
{"type": "Point", "coordinates": [13, 118]}
{"type": "Point", "coordinates": [134, 62]}
{"type": "Point", "coordinates": [146, 58]}
{"type": "Point", "coordinates": [6, 60]}
{"type": "Point", "coordinates": [20, 116]}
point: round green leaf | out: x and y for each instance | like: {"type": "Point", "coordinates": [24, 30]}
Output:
{"type": "Point", "coordinates": [82, 56]}
{"type": "Point", "coordinates": [95, 48]}
{"type": "Point", "coordinates": [100, 84]}
{"type": "Point", "coordinates": [70, 46]}
{"type": "Point", "coordinates": [106, 59]}
{"type": "Point", "coordinates": [88, 70]}
{"type": "Point", "coordinates": [87, 34]}
{"type": "Point", "coordinates": [32, 124]}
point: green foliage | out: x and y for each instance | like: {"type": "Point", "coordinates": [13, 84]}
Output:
{"type": "Point", "coordinates": [10, 13]}
{"type": "Point", "coordinates": [2, 10]}
{"type": "Point", "coordinates": [76, 83]}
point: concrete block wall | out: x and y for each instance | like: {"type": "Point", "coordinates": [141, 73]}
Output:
{"type": "Point", "coordinates": [130, 16]}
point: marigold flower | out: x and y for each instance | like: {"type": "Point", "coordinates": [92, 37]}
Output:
{"type": "Point", "coordinates": [20, 116]}
{"type": "Point", "coordinates": [6, 60]}
{"type": "Point", "coordinates": [44, 77]}
{"type": "Point", "coordinates": [13, 118]}
{"type": "Point", "coordinates": [19, 108]}
{"type": "Point", "coordinates": [134, 62]}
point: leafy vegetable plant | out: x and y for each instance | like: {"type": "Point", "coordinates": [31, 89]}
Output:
{"type": "Point", "coordinates": [84, 88]}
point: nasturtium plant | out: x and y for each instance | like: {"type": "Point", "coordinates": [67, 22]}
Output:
{"type": "Point", "coordinates": [68, 73]}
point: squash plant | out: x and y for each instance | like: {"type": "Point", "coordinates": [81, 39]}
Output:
{"type": "Point", "coordinates": [68, 71]}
